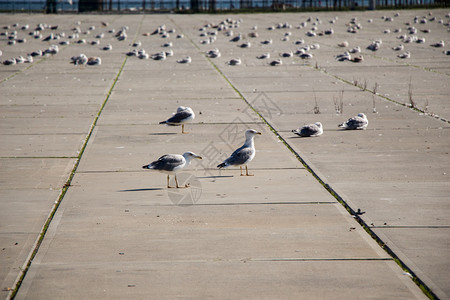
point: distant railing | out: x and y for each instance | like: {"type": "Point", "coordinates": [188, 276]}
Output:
{"type": "Point", "coordinates": [73, 6]}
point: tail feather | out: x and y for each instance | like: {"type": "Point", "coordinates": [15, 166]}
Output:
{"type": "Point", "coordinates": [147, 167]}
{"type": "Point", "coordinates": [163, 122]}
{"type": "Point", "coordinates": [343, 125]}
{"type": "Point", "coordinates": [222, 165]}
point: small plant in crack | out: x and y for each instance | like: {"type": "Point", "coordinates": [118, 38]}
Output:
{"type": "Point", "coordinates": [375, 88]}
{"type": "Point", "coordinates": [316, 66]}
{"type": "Point", "coordinates": [412, 103]}
{"type": "Point", "coordinates": [425, 107]}
{"type": "Point", "coordinates": [339, 103]}
{"type": "Point", "coordinates": [364, 85]}
{"type": "Point", "coordinates": [355, 82]}
{"type": "Point", "coordinates": [316, 107]}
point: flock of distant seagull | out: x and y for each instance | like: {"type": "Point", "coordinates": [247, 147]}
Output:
{"type": "Point", "coordinates": [209, 34]}
{"type": "Point", "coordinates": [174, 163]}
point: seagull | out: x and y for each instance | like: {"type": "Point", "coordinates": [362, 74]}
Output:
{"type": "Point", "coordinates": [11, 61]}
{"type": "Point", "coordinates": [440, 44]}
{"type": "Point", "coordinates": [263, 56]}
{"type": "Point", "coordinates": [374, 46]}
{"type": "Point", "coordinates": [404, 55]}
{"type": "Point", "coordinates": [358, 122]}
{"type": "Point", "coordinates": [36, 53]}
{"type": "Point", "coordinates": [355, 50]}
{"type": "Point", "coordinates": [306, 56]}
{"type": "Point", "coordinates": [184, 114]}
{"type": "Point", "coordinates": [142, 54]}
{"type": "Point", "coordinates": [276, 62]}
{"type": "Point", "coordinates": [234, 61]}
{"type": "Point", "coordinates": [159, 30]}
{"type": "Point", "coordinates": [245, 45]}
{"type": "Point", "coordinates": [171, 164]}
{"type": "Point", "coordinates": [79, 60]}
{"type": "Point", "coordinates": [343, 57]}
{"type": "Point", "coordinates": [236, 38]}
{"type": "Point", "coordinates": [398, 48]}
{"type": "Point", "coordinates": [53, 49]}
{"type": "Point", "coordinates": [309, 130]}
{"type": "Point", "coordinates": [92, 61]}
{"type": "Point", "coordinates": [20, 59]}
{"type": "Point", "coordinates": [159, 56]}
{"type": "Point", "coordinates": [213, 53]}
{"type": "Point", "coordinates": [287, 54]}
{"type": "Point", "coordinates": [358, 59]}
{"type": "Point", "coordinates": [107, 47]}
{"type": "Point", "coordinates": [185, 60]}
{"type": "Point", "coordinates": [243, 155]}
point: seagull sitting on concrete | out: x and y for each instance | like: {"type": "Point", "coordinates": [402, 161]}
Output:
{"type": "Point", "coordinates": [234, 62]}
{"type": "Point", "coordinates": [358, 122]}
{"type": "Point", "coordinates": [243, 155]}
{"type": "Point", "coordinates": [79, 60]}
{"type": "Point", "coordinates": [171, 164]}
{"type": "Point", "coordinates": [183, 115]}
{"type": "Point", "coordinates": [315, 129]}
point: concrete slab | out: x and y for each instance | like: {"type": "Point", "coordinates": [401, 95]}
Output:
{"type": "Point", "coordinates": [64, 145]}
{"type": "Point", "coordinates": [34, 173]}
{"type": "Point", "coordinates": [221, 280]}
{"type": "Point", "coordinates": [205, 233]}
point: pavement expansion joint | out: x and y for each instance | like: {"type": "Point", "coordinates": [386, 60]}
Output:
{"type": "Point", "coordinates": [409, 226]}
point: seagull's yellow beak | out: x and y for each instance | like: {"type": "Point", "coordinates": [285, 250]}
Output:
{"type": "Point", "coordinates": [199, 157]}
{"type": "Point", "coordinates": [259, 133]}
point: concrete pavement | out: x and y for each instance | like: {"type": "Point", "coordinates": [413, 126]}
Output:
{"type": "Point", "coordinates": [116, 232]}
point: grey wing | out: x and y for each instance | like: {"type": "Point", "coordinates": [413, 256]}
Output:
{"type": "Point", "coordinates": [309, 130]}
{"type": "Point", "coordinates": [240, 156]}
{"type": "Point", "coordinates": [355, 122]}
{"type": "Point", "coordinates": [167, 162]}
{"type": "Point", "coordinates": [179, 117]}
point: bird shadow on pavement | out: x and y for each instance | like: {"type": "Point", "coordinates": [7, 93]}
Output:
{"type": "Point", "coordinates": [142, 190]}
{"type": "Point", "coordinates": [219, 176]}
{"type": "Point", "coordinates": [163, 133]}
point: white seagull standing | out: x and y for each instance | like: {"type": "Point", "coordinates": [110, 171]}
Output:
{"type": "Point", "coordinates": [184, 114]}
{"type": "Point", "coordinates": [358, 122]}
{"type": "Point", "coordinates": [243, 155]}
{"type": "Point", "coordinates": [171, 164]}
{"type": "Point", "coordinates": [315, 129]}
